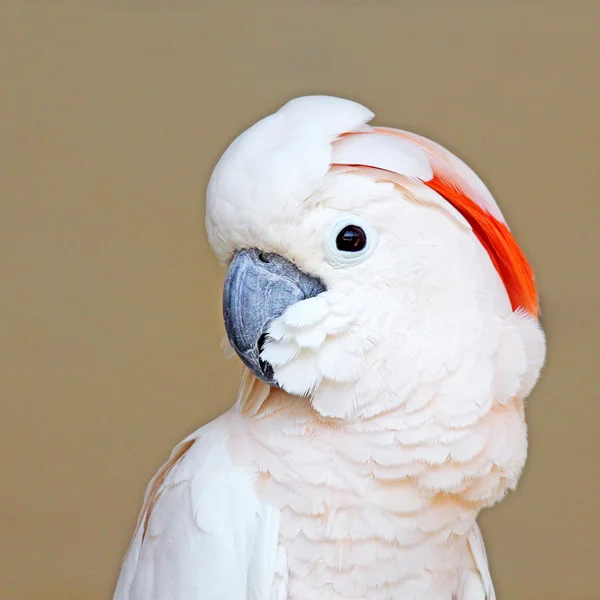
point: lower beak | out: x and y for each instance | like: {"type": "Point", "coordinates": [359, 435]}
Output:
{"type": "Point", "coordinates": [259, 287]}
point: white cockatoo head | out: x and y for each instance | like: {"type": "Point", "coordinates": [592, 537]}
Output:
{"type": "Point", "coordinates": [369, 268]}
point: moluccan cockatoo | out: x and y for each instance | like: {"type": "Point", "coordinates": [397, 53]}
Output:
{"type": "Point", "coordinates": [387, 321]}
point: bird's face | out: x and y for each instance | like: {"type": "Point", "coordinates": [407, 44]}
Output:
{"type": "Point", "coordinates": [362, 285]}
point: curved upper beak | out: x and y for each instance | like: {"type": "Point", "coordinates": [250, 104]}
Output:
{"type": "Point", "coordinates": [259, 287]}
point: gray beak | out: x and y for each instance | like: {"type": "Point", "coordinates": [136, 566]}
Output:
{"type": "Point", "coordinates": [258, 289]}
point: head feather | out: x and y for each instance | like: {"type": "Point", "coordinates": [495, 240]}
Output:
{"type": "Point", "coordinates": [452, 179]}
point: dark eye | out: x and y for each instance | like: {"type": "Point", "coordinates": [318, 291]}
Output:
{"type": "Point", "coordinates": [351, 239]}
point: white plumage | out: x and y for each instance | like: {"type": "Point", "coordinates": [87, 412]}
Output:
{"type": "Point", "coordinates": [400, 414]}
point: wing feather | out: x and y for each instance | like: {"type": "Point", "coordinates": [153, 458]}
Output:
{"type": "Point", "coordinates": [202, 532]}
{"type": "Point", "coordinates": [477, 581]}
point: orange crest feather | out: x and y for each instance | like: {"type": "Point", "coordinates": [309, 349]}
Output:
{"type": "Point", "coordinates": [508, 259]}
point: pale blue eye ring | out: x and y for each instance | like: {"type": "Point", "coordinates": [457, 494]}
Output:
{"type": "Point", "coordinates": [349, 242]}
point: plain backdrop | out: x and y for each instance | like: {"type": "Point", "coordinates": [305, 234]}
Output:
{"type": "Point", "coordinates": [112, 115]}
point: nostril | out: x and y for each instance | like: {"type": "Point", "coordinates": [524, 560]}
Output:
{"type": "Point", "coordinates": [263, 257]}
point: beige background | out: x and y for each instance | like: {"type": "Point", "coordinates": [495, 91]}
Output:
{"type": "Point", "coordinates": [112, 115]}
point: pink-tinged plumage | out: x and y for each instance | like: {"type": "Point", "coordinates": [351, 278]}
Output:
{"type": "Point", "coordinates": [399, 152]}
{"type": "Point", "coordinates": [400, 414]}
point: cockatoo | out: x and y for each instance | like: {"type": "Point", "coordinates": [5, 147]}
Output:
{"type": "Point", "coordinates": [387, 322]}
